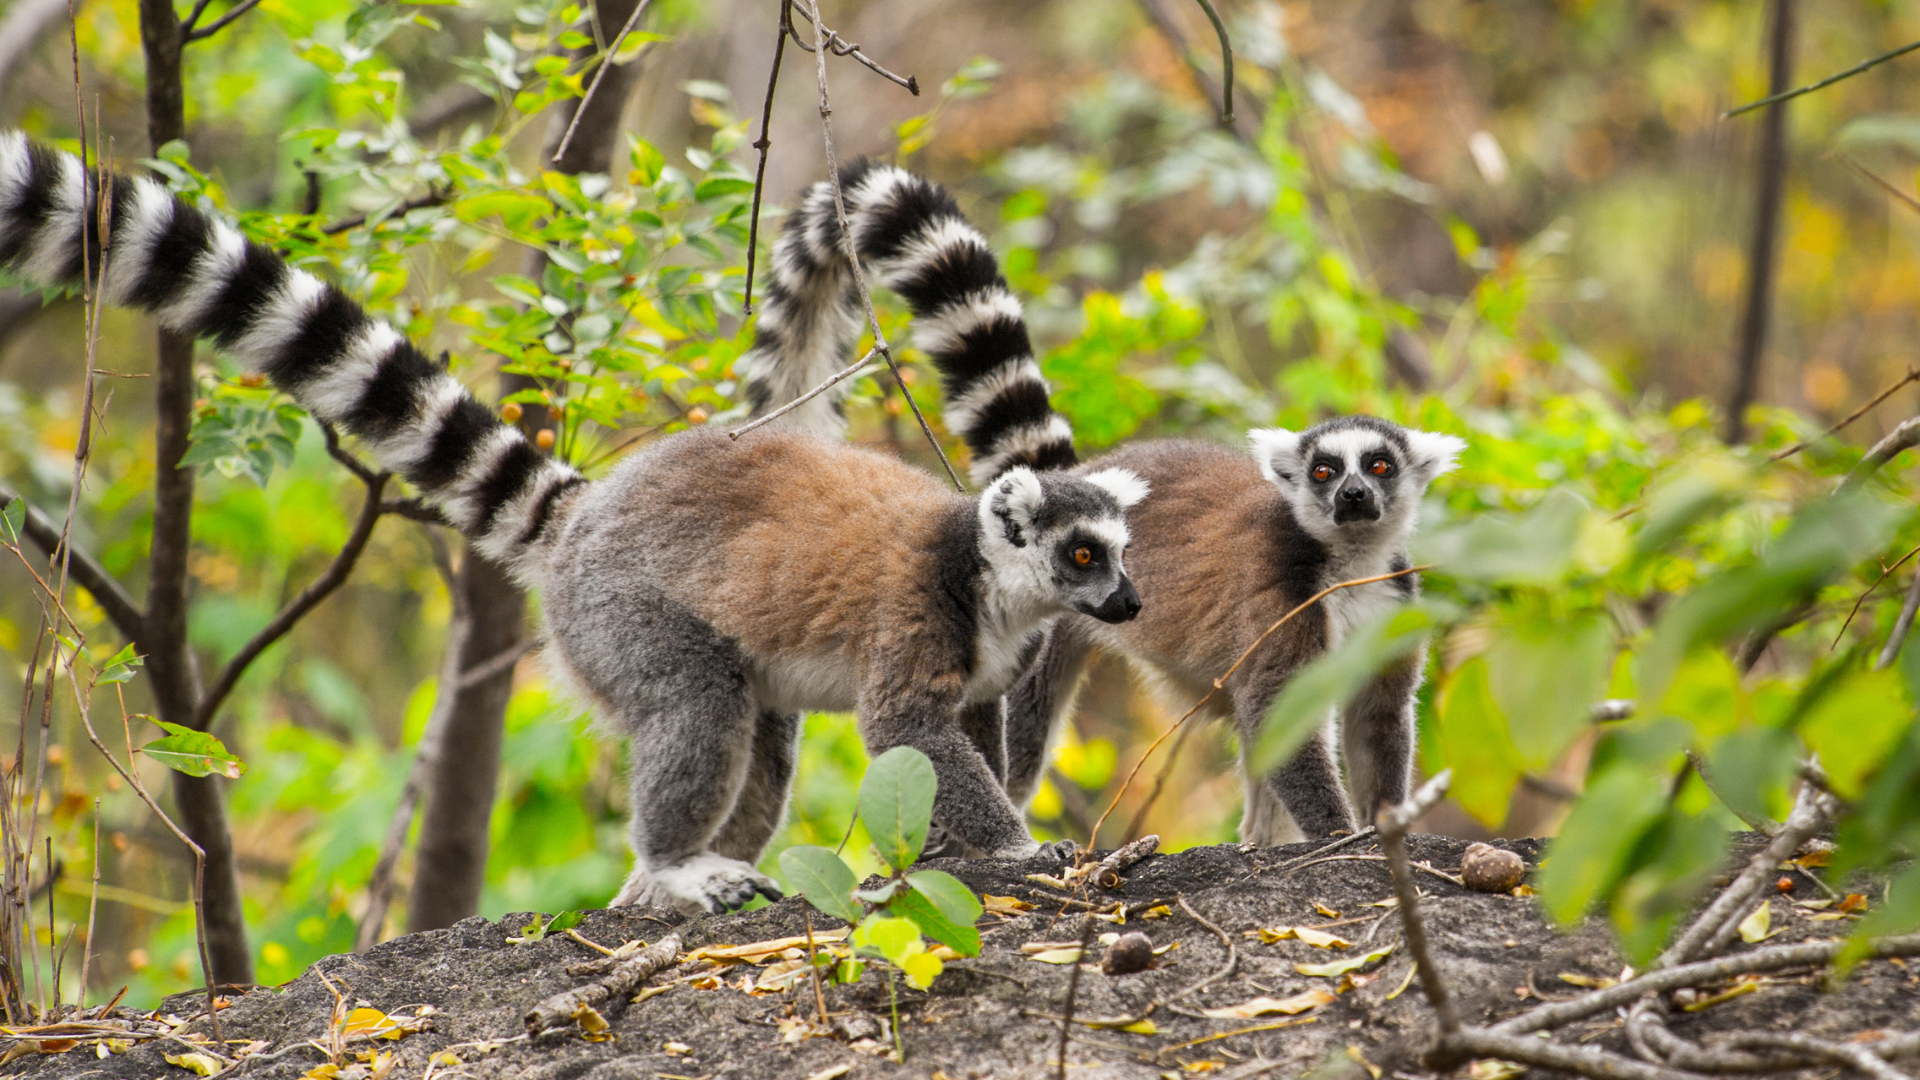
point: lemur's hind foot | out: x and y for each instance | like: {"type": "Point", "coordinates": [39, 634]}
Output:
{"type": "Point", "coordinates": [703, 885]}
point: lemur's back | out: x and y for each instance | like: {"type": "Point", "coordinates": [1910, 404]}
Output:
{"type": "Point", "coordinates": [1212, 528]}
{"type": "Point", "coordinates": [761, 536]}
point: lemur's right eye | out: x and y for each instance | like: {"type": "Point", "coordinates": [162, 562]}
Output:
{"type": "Point", "coordinates": [1323, 472]}
{"type": "Point", "coordinates": [1082, 556]}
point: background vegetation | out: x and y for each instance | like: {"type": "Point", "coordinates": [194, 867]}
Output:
{"type": "Point", "coordinates": [1524, 224]}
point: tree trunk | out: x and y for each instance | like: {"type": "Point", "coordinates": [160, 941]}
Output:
{"type": "Point", "coordinates": [170, 661]}
{"type": "Point", "coordinates": [1772, 166]}
{"type": "Point", "coordinates": [450, 867]}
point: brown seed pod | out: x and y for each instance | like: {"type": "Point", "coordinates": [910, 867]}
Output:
{"type": "Point", "coordinates": [1486, 868]}
{"type": "Point", "coordinates": [1132, 952]}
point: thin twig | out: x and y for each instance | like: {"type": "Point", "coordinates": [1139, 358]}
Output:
{"type": "Point", "coordinates": [121, 608]}
{"type": "Point", "coordinates": [852, 370]}
{"type": "Point", "coordinates": [840, 46]}
{"type": "Point", "coordinates": [219, 24]}
{"type": "Point", "coordinates": [1885, 573]}
{"type": "Point", "coordinates": [606, 64]}
{"type": "Point", "coordinates": [1912, 203]}
{"type": "Point", "coordinates": [504, 660]}
{"type": "Point", "coordinates": [1823, 83]}
{"type": "Point", "coordinates": [765, 143]}
{"type": "Point", "coordinates": [93, 900]}
{"type": "Point", "coordinates": [1393, 822]}
{"type": "Point", "coordinates": [820, 33]}
{"type": "Point", "coordinates": [1226, 62]}
{"type": "Point", "coordinates": [813, 969]}
{"type": "Point", "coordinates": [434, 197]}
{"type": "Point", "coordinates": [1911, 375]}
{"type": "Point", "coordinates": [1717, 924]}
{"type": "Point", "coordinates": [1220, 683]}
{"type": "Point", "coordinates": [1073, 990]}
{"type": "Point", "coordinates": [1901, 625]}
{"type": "Point", "coordinates": [323, 586]}
{"type": "Point", "coordinates": [1328, 849]}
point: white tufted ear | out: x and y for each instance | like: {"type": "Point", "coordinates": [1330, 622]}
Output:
{"type": "Point", "coordinates": [1125, 485]}
{"type": "Point", "coordinates": [1012, 502]}
{"type": "Point", "coordinates": [1434, 455]}
{"type": "Point", "coordinates": [1278, 452]}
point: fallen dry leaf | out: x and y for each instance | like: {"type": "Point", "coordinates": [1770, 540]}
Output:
{"type": "Point", "coordinates": [832, 1072]}
{"type": "Point", "coordinates": [1754, 927]}
{"type": "Point", "coordinates": [1372, 1069]}
{"type": "Point", "coordinates": [1853, 902]}
{"type": "Point", "coordinates": [1493, 1069]}
{"type": "Point", "coordinates": [1267, 1006]}
{"type": "Point", "coordinates": [759, 951]}
{"type": "Point", "coordinates": [57, 1046]}
{"type": "Point", "coordinates": [1068, 955]}
{"type": "Point", "coordinates": [1203, 1066]}
{"type": "Point", "coordinates": [1587, 982]}
{"type": "Point", "coordinates": [1744, 986]}
{"type": "Point", "coordinates": [1048, 880]}
{"type": "Point", "coordinates": [197, 1063]}
{"type": "Point", "coordinates": [1412, 969]}
{"type": "Point", "coordinates": [1157, 911]}
{"type": "Point", "coordinates": [376, 1024]}
{"type": "Point", "coordinates": [676, 1048]}
{"type": "Point", "coordinates": [1325, 910]}
{"type": "Point", "coordinates": [1002, 905]}
{"type": "Point", "coordinates": [592, 1025]}
{"type": "Point", "coordinates": [1341, 967]}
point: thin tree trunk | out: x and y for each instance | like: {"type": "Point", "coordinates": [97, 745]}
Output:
{"type": "Point", "coordinates": [1772, 165]}
{"type": "Point", "coordinates": [450, 867]}
{"type": "Point", "coordinates": [170, 661]}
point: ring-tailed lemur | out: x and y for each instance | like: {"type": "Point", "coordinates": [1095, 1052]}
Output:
{"type": "Point", "coordinates": [1225, 544]}
{"type": "Point", "coordinates": [702, 595]}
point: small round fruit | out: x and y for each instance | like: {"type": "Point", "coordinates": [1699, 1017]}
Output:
{"type": "Point", "coordinates": [544, 440]}
{"type": "Point", "coordinates": [510, 412]}
{"type": "Point", "coordinates": [1486, 868]}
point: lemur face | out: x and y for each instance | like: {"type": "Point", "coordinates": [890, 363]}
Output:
{"type": "Point", "coordinates": [1058, 541]}
{"type": "Point", "coordinates": [1354, 479]}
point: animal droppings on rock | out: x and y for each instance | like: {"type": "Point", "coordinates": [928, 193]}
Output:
{"type": "Point", "coordinates": [1486, 868]}
{"type": "Point", "coordinates": [1129, 953]}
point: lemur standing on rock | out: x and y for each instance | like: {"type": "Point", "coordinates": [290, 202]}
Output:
{"type": "Point", "coordinates": [1225, 543]}
{"type": "Point", "coordinates": [701, 596]}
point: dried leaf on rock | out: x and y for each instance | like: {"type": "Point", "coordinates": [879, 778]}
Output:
{"type": "Point", "coordinates": [1336, 968]}
{"type": "Point", "coordinates": [1004, 905]}
{"type": "Point", "coordinates": [1266, 1006]}
{"type": "Point", "coordinates": [196, 1063]}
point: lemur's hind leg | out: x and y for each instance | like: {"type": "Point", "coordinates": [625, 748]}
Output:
{"type": "Point", "coordinates": [678, 689]}
{"type": "Point", "coordinates": [762, 804]}
{"type": "Point", "coordinates": [1378, 733]}
{"type": "Point", "coordinates": [1307, 787]}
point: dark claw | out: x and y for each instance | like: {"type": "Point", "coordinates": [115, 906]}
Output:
{"type": "Point", "coordinates": [770, 891]}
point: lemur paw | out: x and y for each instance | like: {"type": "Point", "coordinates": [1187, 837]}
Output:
{"type": "Point", "coordinates": [704, 884]}
{"type": "Point", "coordinates": [941, 844]}
{"type": "Point", "coordinates": [1060, 851]}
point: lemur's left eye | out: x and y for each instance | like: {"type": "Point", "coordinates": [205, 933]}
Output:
{"type": "Point", "coordinates": [1083, 556]}
{"type": "Point", "coordinates": [1381, 467]}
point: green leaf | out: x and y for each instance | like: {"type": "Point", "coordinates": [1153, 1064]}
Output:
{"type": "Point", "coordinates": [1855, 726]}
{"type": "Point", "coordinates": [647, 163]}
{"type": "Point", "coordinates": [715, 186]}
{"type": "Point", "coordinates": [1753, 769]}
{"type": "Point", "coordinates": [943, 909]}
{"type": "Point", "coordinates": [1534, 548]}
{"type": "Point", "coordinates": [195, 753]}
{"type": "Point", "coordinates": [1592, 849]}
{"type": "Point", "coordinates": [888, 936]}
{"type": "Point", "coordinates": [1473, 737]}
{"type": "Point", "coordinates": [822, 878]}
{"type": "Point", "coordinates": [896, 802]}
{"type": "Point", "coordinates": [921, 969]}
{"type": "Point", "coordinates": [1331, 681]}
{"type": "Point", "coordinates": [120, 667]}
{"type": "Point", "coordinates": [566, 920]}
{"type": "Point", "coordinates": [1550, 672]}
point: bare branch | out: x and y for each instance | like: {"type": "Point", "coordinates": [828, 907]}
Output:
{"type": "Point", "coordinates": [600, 73]}
{"type": "Point", "coordinates": [323, 586]}
{"type": "Point", "coordinates": [839, 46]}
{"type": "Point", "coordinates": [1823, 83]}
{"type": "Point", "coordinates": [1900, 438]}
{"type": "Point", "coordinates": [613, 990]}
{"type": "Point", "coordinates": [1911, 202]}
{"type": "Point", "coordinates": [1901, 625]}
{"type": "Point", "coordinates": [432, 198]}
{"type": "Point", "coordinates": [107, 591]}
{"type": "Point", "coordinates": [1583, 1061]}
{"type": "Point", "coordinates": [1393, 821]}
{"type": "Point", "coordinates": [1720, 921]}
{"type": "Point", "coordinates": [765, 143]}
{"type": "Point", "coordinates": [853, 370]}
{"type": "Point", "coordinates": [1912, 375]}
{"type": "Point", "coordinates": [500, 662]}
{"type": "Point", "coordinates": [1853, 1055]}
{"type": "Point", "coordinates": [188, 37]}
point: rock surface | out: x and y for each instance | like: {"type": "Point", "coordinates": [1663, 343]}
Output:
{"type": "Point", "coordinates": [1498, 953]}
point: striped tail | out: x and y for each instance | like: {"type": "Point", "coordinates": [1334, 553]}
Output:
{"type": "Point", "coordinates": [199, 275]}
{"type": "Point", "coordinates": [912, 238]}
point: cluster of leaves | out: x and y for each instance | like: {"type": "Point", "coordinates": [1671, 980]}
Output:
{"type": "Point", "coordinates": [896, 802]}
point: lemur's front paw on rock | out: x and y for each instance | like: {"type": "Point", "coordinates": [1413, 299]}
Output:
{"type": "Point", "coordinates": [704, 884]}
{"type": "Point", "coordinates": [1060, 851]}
{"type": "Point", "coordinates": [942, 844]}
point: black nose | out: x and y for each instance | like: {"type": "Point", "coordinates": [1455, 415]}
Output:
{"type": "Point", "coordinates": [1355, 493]}
{"type": "Point", "coordinates": [1121, 604]}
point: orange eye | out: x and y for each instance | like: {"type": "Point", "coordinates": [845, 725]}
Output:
{"type": "Point", "coordinates": [1082, 556]}
{"type": "Point", "coordinates": [1323, 472]}
{"type": "Point", "coordinates": [1381, 467]}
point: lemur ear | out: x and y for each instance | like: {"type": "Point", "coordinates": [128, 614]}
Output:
{"type": "Point", "coordinates": [1125, 485]}
{"type": "Point", "coordinates": [1434, 455]}
{"type": "Point", "coordinates": [1014, 500]}
{"type": "Point", "coordinates": [1278, 452]}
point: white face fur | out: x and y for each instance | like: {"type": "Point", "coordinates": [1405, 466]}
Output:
{"type": "Point", "coordinates": [1055, 541]}
{"type": "Point", "coordinates": [1354, 482]}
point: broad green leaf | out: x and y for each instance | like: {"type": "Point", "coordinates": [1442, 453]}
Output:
{"type": "Point", "coordinates": [715, 186]}
{"type": "Point", "coordinates": [1472, 736]}
{"type": "Point", "coordinates": [1533, 548]}
{"type": "Point", "coordinates": [888, 936]}
{"type": "Point", "coordinates": [1854, 727]}
{"type": "Point", "coordinates": [1706, 693]}
{"type": "Point", "coordinates": [1545, 675]}
{"type": "Point", "coordinates": [566, 920]}
{"type": "Point", "coordinates": [195, 753]}
{"type": "Point", "coordinates": [120, 667]}
{"type": "Point", "coordinates": [1752, 770]}
{"type": "Point", "coordinates": [1678, 858]}
{"type": "Point", "coordinates": [949, 894]}
{"type": "Point", "coordinates": [1331, 681]}
{"type": "Point", "coordinates": [1708, 486]}
{"type": "Point", "coordinates": [936, 922]}
{"type": "Point", "coordinates": [1594, 845]}
{"type": "Point", "coordinates": [896, 802]}
{"type": "Point", "coordinates": [647, 163]}
{"type": "Point", "coordinates": [921, 969]}
{"type": "Point", "coordinates": [821, 877]}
